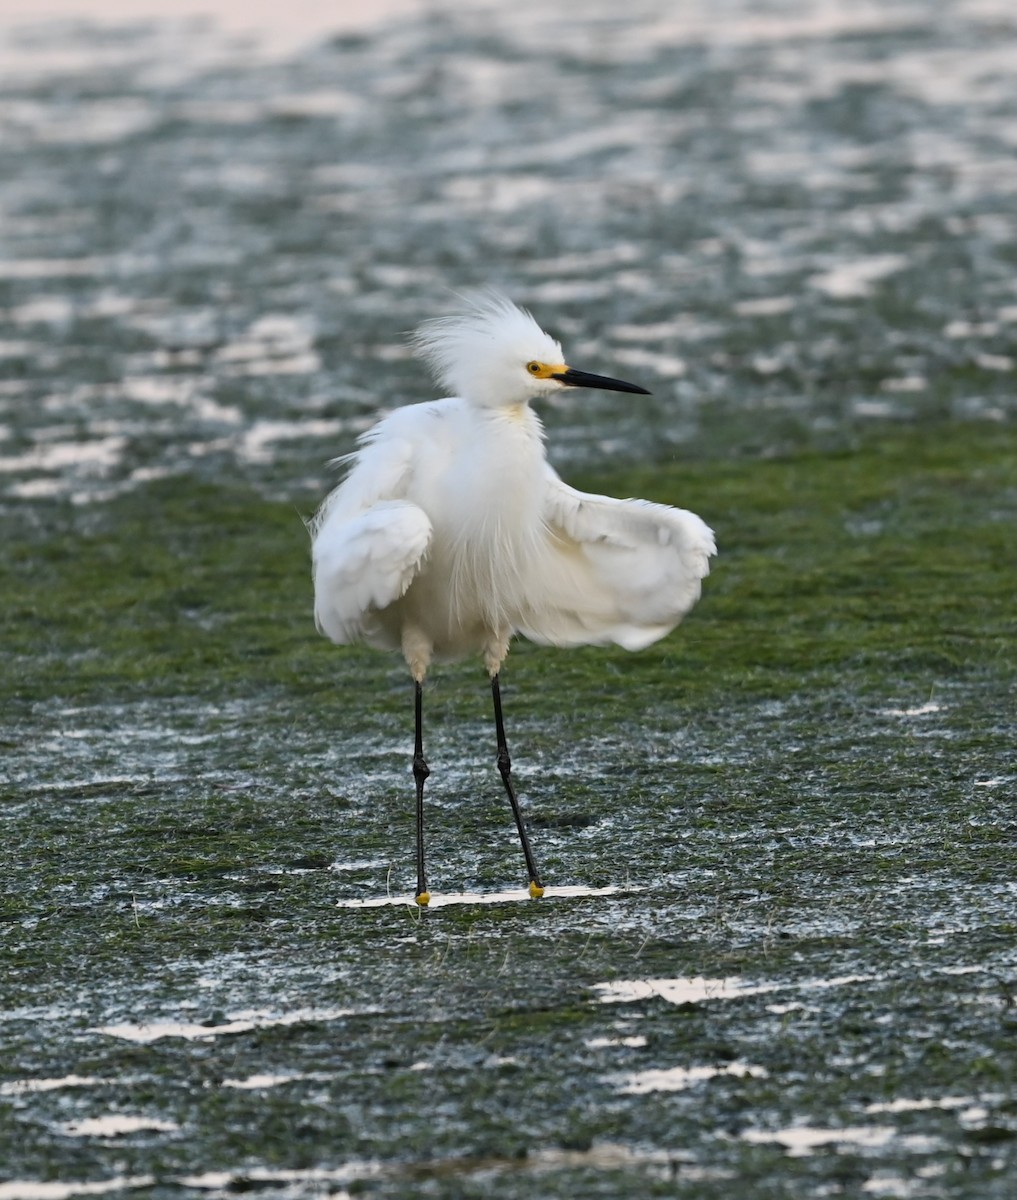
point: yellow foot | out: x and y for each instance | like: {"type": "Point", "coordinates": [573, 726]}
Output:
{"type": "Point", "coordinates": [423, 899]}
{"type": "Point", "coordinates": [536, 891]}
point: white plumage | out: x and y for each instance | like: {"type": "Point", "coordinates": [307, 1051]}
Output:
{"type": "Point", "coordinates": [452, 526]}
{"type": "Point", "coordinates": [451, 532]}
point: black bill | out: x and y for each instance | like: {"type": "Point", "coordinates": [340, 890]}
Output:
{"type": "Point", "coordinates": [585, 379]}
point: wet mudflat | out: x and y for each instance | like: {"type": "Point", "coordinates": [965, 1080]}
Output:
{"type": "Point", "coordinates": [777, 956]}
{"type": "Point", "coordinates": [788, 959]}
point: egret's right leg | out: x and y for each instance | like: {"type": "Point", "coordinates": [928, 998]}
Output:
{"type": "Point", "coordinates": [417, 651]}
{"type": "Point", "coordinates": [420, 774]}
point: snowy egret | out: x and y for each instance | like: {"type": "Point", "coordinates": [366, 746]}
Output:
{"type": "Point", "coordinates": [451, 532]}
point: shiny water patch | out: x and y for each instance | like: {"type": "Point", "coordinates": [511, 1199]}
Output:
{"type": "Point", "coordinates": [23, 1087]}
{"type": "Point", "coordinates": [634, 1041]}
{"type": "Point", "coordinates": [973, 1109]}
{"type": "Point", "coordinates": [33, 1189]}
{"type": "Point", "coordinates": [856, 278]}
{"type": "Point", "coordinates": [693, 990]}
{"type": "Point", "coordinates": [801, 1140]}
{"type": "Point", "coordinates": [255, 1083]}
{"type": "Point", "coordinates": [441, 900]}
{"type": "Point", "coordinates": [917, 710]}
{"type": "Point", "coordinates": [241, 1023]}
{"type": "Point", "coordinates": [117, 1125]}
{"type": "Point", "coordinates": [698, 989]}
{"type": "Point", "coordinates": [679, 1079]}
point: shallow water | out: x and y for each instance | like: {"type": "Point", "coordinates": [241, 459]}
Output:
{"type": "Point", "coordinates": [209, 259]}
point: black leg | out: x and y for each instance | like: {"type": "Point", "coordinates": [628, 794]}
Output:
{"type": "Point", "coordinates": [420, 774]}
{"type": "Point", "coordinates": [505, 767]}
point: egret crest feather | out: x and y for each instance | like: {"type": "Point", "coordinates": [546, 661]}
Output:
{"type": "Point", "coordinates": [477, 351]}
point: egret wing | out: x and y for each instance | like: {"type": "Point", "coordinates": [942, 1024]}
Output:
{"type": "Point", "coordinates": [623, 571]}
{"type": "Point", "coordinates": [364, 564]}
{"type": "Point", "coordinates": [368, 540]}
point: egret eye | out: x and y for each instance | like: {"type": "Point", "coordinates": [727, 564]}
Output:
{"type": "Point", "coordinates": [533, 368]}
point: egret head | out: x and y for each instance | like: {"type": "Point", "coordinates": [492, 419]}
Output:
{"type": "Point", "coordinates": [495, 355]}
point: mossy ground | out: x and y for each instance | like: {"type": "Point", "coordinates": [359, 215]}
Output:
{"type": "Point", "coordinates": [808, 786]}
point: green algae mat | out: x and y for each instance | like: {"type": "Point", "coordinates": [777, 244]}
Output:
{"type": "Point", "coordinates": [777, 949]}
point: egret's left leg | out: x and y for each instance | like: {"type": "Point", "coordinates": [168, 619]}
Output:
{"type": "Point", "coordinates": [505, 768]}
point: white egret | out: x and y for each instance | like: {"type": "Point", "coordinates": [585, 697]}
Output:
{"type": "Point", "coordinates": [451, 532]}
